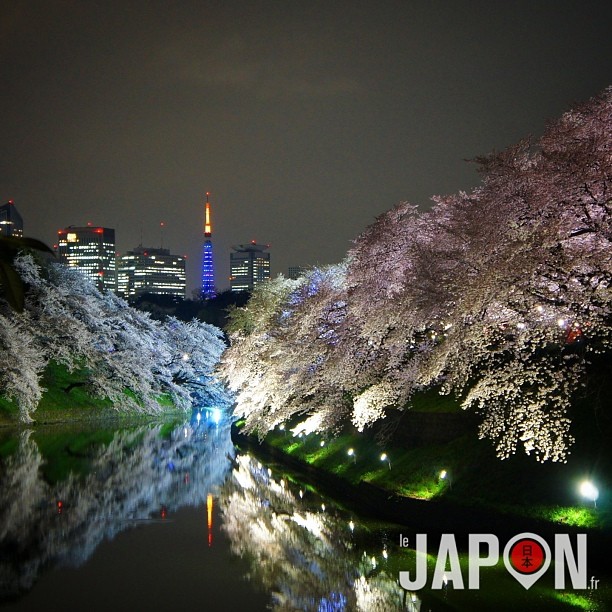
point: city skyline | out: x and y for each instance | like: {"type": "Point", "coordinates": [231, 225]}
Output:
{"type": "Point", "coordinates": [305, 121]}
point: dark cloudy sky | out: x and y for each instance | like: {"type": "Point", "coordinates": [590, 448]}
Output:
{"type": "Point", "coordinates": [304, 119]}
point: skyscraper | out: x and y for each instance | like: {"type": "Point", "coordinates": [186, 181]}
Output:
{"type": "Point", "coordinates": [11, 223]}
{"type": "Point", "coordinates": [249, 266]}
{"type": "Point", "coordinates": [91, 249]}
{"type": "Point", "coordinates": [208, 269]}
{"type": "Point", "coordinates": [150, 270]}
{"type": "Point", "coordinates": [294, 272]}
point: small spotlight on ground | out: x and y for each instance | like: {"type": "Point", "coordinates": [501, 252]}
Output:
{"type": "Point", "coordinates": [589, 491]}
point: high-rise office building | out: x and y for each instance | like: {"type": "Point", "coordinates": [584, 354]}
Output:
{"type": "Point", "coordinates": [249, 266]}
{"type": "Point", "coordinates": [294, 272]}
{"type": "Point", "coordinates": [149, 270]}
{"type": "Point", "coordinates": [92, 250]}
{"type": "Point", "coordinates": [11, 223]}
{"type": "Point", "coordinates": [208, 268]}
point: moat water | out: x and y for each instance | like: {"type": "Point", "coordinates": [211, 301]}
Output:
{"type": "Point", "coordinates": [171, 517]}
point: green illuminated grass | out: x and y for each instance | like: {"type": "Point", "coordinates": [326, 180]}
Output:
{"type": "Point", "coordinates": [475, 475]}
{"type": "Point", "coordinates": [573, 516]}
{"type": "Point", "coordinates": [577, 601]}
{"type": "Point", "coordinates": [66, 399]}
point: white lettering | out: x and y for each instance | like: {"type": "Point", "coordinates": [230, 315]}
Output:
{"type": "Point", "coordinates": [476, 561]}
{"type": "Point", "coordinates": [447, 550]}
{"type": "Point", "coordinates": [421, 567]}
{"type": "Point", "coordinates": [564, 558]}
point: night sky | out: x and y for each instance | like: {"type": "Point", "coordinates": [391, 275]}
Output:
{"type": "Point", "coordinates": [305, 120]}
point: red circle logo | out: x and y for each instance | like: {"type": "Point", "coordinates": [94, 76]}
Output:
{"type": "Point", "coordinates": [527, 556]}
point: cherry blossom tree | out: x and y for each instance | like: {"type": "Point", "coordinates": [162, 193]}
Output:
{"type": "Point", "coordinates": [120, 353]}
{"type": "Point", "coordinates": [500, 296]}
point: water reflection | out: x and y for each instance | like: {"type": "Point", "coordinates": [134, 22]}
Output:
{"type": "Point", "coordinates": [302, 552]}
{"type": "Point", "coordinates": [137, 477]}
{"type": "Point", "coordinates": [305, 556]}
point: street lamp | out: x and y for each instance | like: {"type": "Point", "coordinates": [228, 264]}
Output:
{"type": "Point", "coordinates": [444, 475]}
{"type": "Point", "coordinates": [589, 491]}
{"type": "Point", "coordinates": [385, 457]}
{"type": "Point", "coordinates": [351, 453]}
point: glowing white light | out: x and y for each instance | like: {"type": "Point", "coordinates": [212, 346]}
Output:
{"type": "Point", "coordinates": [301, 494]}
{"type": "Point", "coordinates": [199, 417]}
{"type": "Point", "coordinates": [589, 490]}
{"type": "Point", "coordinates": [443, 474]}
{"type": "Point", "coordinates": [350, 452]}
{"type": "Point", "coordinates": [322, 442]}
{"type": "Point", "coordinates": [269, 472]}
{"type": "Point", "coordinates": [185, 357]}
{"type": "Point", "coordinates": [323, 507]}
{"type": "Point", "coordinates": [281, 426]}
{"type": "Point", "coordinates": [216, 415]}
{"type": "Point", "coordinates": [539, 308]}
{"type": "Point", "coordinates": [385, 554]}
{"type": "Point", "coordinates": [385, 457]}
{"type": "Point", "coordinates": [351, 526]}
{"type": "Point", "coordinates": [561, 322]}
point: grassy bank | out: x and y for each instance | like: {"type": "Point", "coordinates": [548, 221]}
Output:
{"type": "Point", "coordinates": [67, 399]}
{"type": "Point", "coordinates": [465, 470]}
